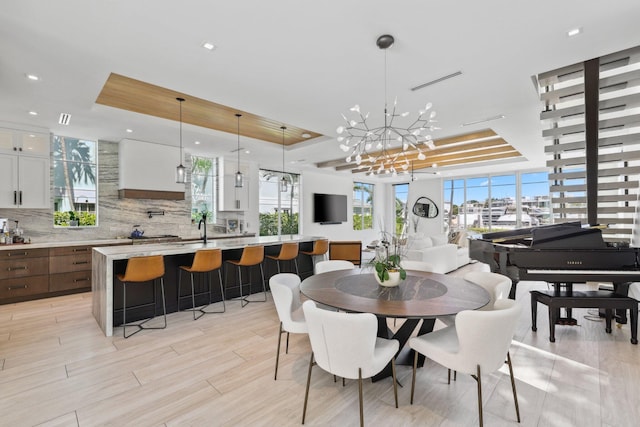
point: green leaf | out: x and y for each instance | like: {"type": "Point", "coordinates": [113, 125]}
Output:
{"type": "Point", "coordinates": [403, 274]}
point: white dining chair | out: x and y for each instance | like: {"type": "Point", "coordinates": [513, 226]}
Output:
{"type": "Point", "coordinates": [497, 285]}
{"type": "Point", "coordinates": [285, 290]}
{"type": "Point", "coordinates": [346, 345]}
{"type": "Point", "coordinates": [475, 345]}
{"type": "Point", "coordinates": [333, 265]}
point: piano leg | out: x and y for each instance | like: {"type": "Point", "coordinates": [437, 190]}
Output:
{"type": "Point", "coordinates": [534, 312]}
{"type": "Point", "coordinates": [553, 318]}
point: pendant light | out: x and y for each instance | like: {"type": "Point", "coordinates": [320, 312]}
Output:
{"type": "Point", "coordinates": [239, 177]}
{"type": "Point", "coordinates": [284, 186]}
{"type": "Point", "coordinates": [180, 170]}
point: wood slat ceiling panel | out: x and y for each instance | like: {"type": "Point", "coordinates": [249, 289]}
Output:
{"type": "Point", "coordinates": [473, 147]}
{"type": "Point", "coordinates": [145, 98]}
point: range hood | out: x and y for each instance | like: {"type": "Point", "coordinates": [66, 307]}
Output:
{"type": "Point", "coordinates": [147, 171]}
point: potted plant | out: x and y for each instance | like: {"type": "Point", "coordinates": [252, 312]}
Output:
{"type": "Point", "coordinates": [73, 219]}
{"type": "Point", "coordinates": [387, 263]}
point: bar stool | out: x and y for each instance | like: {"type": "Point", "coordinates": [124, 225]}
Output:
{"type": "Point", "coordinates": [251, 256]}
{"type": "Point", "coordinates": [140, 270]}
{"type": "Point", "coordinates": [205, 261]}
{"type": "Point", "coordinates": [288, 252]}
{"type": "Point", "coordinates": [320, 248]}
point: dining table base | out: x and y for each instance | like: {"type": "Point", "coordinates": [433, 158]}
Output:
{"type": "Point", "coordinates": [404, 356]}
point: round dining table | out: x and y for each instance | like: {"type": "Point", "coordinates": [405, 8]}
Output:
{"type": "Point", "coordinates": [420, 298]}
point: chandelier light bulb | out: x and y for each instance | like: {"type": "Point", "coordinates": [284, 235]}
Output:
{"type": "Point", "coordinates": [355, 108]}
{"type": "Point", "coordinates": [340, 129]}
{"type": "Point", "coordinates": [405, 114]}
{"type": "Point", "coordinates": [421, 156]}
{"type": "Point", "coordinates": [358, 159]}
{"type": "Point", "coordinates": [340, 138]}
{"type": "Point", "coordinates": [367, 146]}
{"type": "Point", "coordinates": [348, 159]}
{"type": "Point", "coordinates": [344, 148]}
{"type": "Point", "coordinates": [353, 123]}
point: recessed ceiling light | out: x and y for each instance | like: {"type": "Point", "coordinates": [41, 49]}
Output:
{"type": "Point", "coordinates": [31, 135]}
{"type": "Point", "coordinates": [208, 46]}
{"type": "Point", "coordinates": [306, 135]}
{"type": "Point", "coordinates": [196, 142]}
{"type": "Point", "coordinates": [129, 130]}
{"type": "Point", "coordinates": [33, 113]}
{"type": "Point", "coordinates": [64, 119]}
{"type": "Point", "coordinates": [574, 32]}
{"type": "Point", "coordinates": [247, 152]}
{"type": "Point", "coordinates": [32, 77]}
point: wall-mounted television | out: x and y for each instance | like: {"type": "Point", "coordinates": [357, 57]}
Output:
{"type": "Point", "coordinates": [329, 208]}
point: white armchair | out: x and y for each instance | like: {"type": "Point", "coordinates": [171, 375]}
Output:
{"type": "Point", "coordinates": [285, 290]}
{"type": "Point", "coordinates": [416, 265]}
{"type": "Point", "coordinates": [346, 345]}
{"type": "Point", "coordinates": [477, 344]}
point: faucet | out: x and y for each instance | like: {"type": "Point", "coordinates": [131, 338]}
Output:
{"type": "Point", "coordinates": [203, 221]}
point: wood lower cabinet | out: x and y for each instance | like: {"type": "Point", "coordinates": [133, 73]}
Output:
{"type": "Point", "coordinates": [69, 268]}
{"type": "Point", "coordinates": [27, 273]}
{"type": "Point", "coordinates": [24, 272]}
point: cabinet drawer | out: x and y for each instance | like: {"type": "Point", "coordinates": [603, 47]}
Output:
{"type": "Point", "coordinates": [70, 250]}
{"type": "Point", "coordinates": [66, 281]}
{"type": "Point", "coordinates": [22, 251]}
{"type": "Point", "coordinates": [64, 264]}
{"type": "Point", "coordinates": [11, 288]}
{"type": "Point", "coordinates": [10, 269]}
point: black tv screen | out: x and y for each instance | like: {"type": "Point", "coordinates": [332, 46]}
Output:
{"type": "Point", "coordinates": [329, 208]}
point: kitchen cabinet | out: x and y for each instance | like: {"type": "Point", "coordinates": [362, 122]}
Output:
{"type": "Point", "coordinates": [24, 169]}
{"type": "Point", "coordinates": [69, 268]}
{"type": "Point", "coordinates": [23, 273]}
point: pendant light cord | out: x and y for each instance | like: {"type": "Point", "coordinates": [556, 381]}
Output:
{"type": "Point", "coordinates": [238, 116]}
{"type": "Point", "coordinates": [283, 129]}
{"type": "Point", "coordinates": [181, 100]}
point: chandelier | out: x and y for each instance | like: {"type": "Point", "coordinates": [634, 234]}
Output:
{"type": "Point", "coordinates": [387, 148]}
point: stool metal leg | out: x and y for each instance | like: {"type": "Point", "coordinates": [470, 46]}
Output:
{"type": "Point", "coordinates": [264, 288]}
{"type": "Point", "coordinates": [140, 325]}
{"type": "Point", "coordinates": [224, 307]}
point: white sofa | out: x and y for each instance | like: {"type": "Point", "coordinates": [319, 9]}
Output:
{"type": "Point", "coordinates": [437, 251]}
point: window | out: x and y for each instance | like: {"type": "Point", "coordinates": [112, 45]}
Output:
{"type": "Point", "coordinates": [362, 206]}
{"type": "Point", "coordinates": [401, 192]}
{"type": "Point", "coordinates": [279, 211]}
{"type": "Point", "coordinates": [75, 179]}
{"type": "Point", "coordinates": [500, 202]}
{"type": "Point", "coordinates": [204, 173]}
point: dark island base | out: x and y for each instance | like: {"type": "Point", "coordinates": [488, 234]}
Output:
{"type": "Point", "coordinates": [140, 295]}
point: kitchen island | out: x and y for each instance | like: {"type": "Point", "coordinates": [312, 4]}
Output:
{"type": "Point", "coordinates": [110, 261]}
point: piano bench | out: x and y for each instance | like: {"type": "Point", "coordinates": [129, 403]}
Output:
{"type": "Point", "coordinates": [606, 300]}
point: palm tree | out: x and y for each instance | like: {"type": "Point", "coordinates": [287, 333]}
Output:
{"type": "Point", "coordinates": [77, 166]}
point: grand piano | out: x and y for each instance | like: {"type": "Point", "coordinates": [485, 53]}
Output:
{"type": "Point", "coordinates": [564, 253]}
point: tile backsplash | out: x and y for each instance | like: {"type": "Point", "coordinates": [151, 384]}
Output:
{"type": "Point", "coordinates": [116, 217]}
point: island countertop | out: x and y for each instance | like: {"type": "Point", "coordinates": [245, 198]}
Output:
{"type": "Point", "coordinates": [103, 260]}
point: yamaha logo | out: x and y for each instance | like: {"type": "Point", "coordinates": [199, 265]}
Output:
{"type": "Point", "coordinates": [574, 262]}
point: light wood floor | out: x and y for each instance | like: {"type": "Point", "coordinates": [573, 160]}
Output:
{"type": "Point", "coordinates": [58, 369]}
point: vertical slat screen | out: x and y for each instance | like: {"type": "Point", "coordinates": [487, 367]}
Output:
{"type": "Point", "coordinates": [598, 117]}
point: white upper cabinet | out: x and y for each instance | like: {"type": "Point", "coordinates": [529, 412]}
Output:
{"type": "Point", "coordinates": [25, 142]}
{"type": "Point", "coordinates": [24, 169]}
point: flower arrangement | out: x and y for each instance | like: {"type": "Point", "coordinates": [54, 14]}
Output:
{"type": "Point", "coordinates": [387, 259]}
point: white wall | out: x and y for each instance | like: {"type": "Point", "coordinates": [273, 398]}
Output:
{"type": "Point", "coordinates": [337, 184]}
{"type": "Point", "coordinates": [431, 188]}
